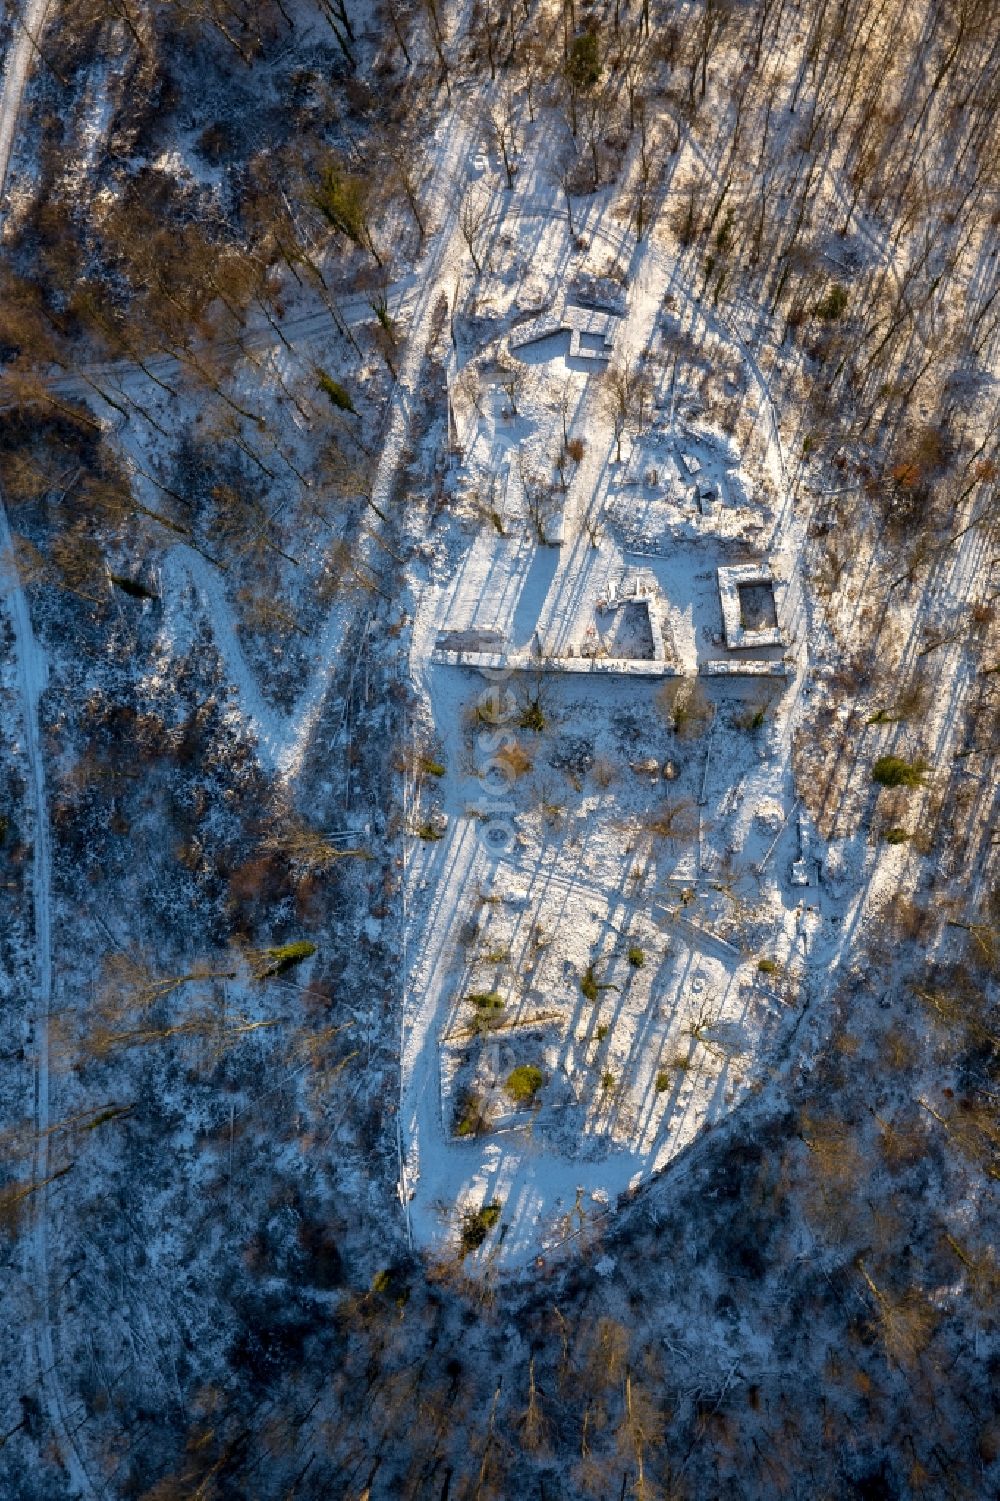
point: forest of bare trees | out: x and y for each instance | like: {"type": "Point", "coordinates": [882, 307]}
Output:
{"type": "Point", "coordinates": [811, 1309]}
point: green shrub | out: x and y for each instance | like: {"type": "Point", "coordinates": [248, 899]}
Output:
{"type": "Point", "coordinates": [895, 836]}
{"type": "Point", "coordinates": [662, 1081]}
{"type": "Point", "coordinates": [339, 396]}
{"type": "Point", "coordinates": [753, 719]}
{"type": "Point", "coordinates": [524, 1082]}
{"type": "Point", "coordinates": [532, 717]}
{"type": "Point", "coordinates": [384, 317]}
{"type": "Point", "coordinates": [430, 767]}
{"type": "Point", "coordinates": [724, 234]}
{"type": "Point", "coordinates": [275, 961]}
{"type": "Point", "coordinates": [607, 1080]}
{"type": "Point", "coordinates": [768, 966]}
{"type": "Point", "coordinates": [602, 1031]}
{"type": "Point", "coordinates": [686, 707]}
{"type": "Point", "coordinates": [833, 304]}
{"type": "Point", "coordinates": [342, 199]}
{"type": "Point", "coordinates": [486, 1000]}
{"type": "Point", "coordinates": [489, 1010]}
{"type": "Point", "coordinates": [590, 986]}
{"type": "Point", "coordinates": [893, 771]}
{"type": "Point", "coordinates": [429, 832]}
{"type": "Point", "coordinates": [477, 1224]}
{"type": "Point", "coordinates": [391, 1282]}
{"type": "Point", "coordinates": [583, 65]}
{"type": "Point", "coordinates": [636, 957]}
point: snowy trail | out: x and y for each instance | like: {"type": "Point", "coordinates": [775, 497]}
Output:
{"type": "Point", "coordinates": [32, 671]}
{"type": "Point", "coordinates": [26, 28]}
{"type": "Point", "coordinates": [306, 327]}
{"type": "Point", "coordinates": [284, 738]}
{"type": "Point", "coordinates": [302, 331]}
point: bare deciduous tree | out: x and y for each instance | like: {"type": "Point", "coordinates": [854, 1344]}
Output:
{"type": "Point", "coordinates": [626, 393]}
{"type": "Point", "coordinates": [504, 130]}
{"type": "Point", "coordinates": [472, 220]}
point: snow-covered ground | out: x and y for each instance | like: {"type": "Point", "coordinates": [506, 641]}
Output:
{"type": "Point", "coordinates": [642, 908]}
{"type": "Point", "coordinates": [548, 857]}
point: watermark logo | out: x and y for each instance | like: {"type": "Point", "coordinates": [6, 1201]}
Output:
{"type": "Point", "coordinates": [496, 707]}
